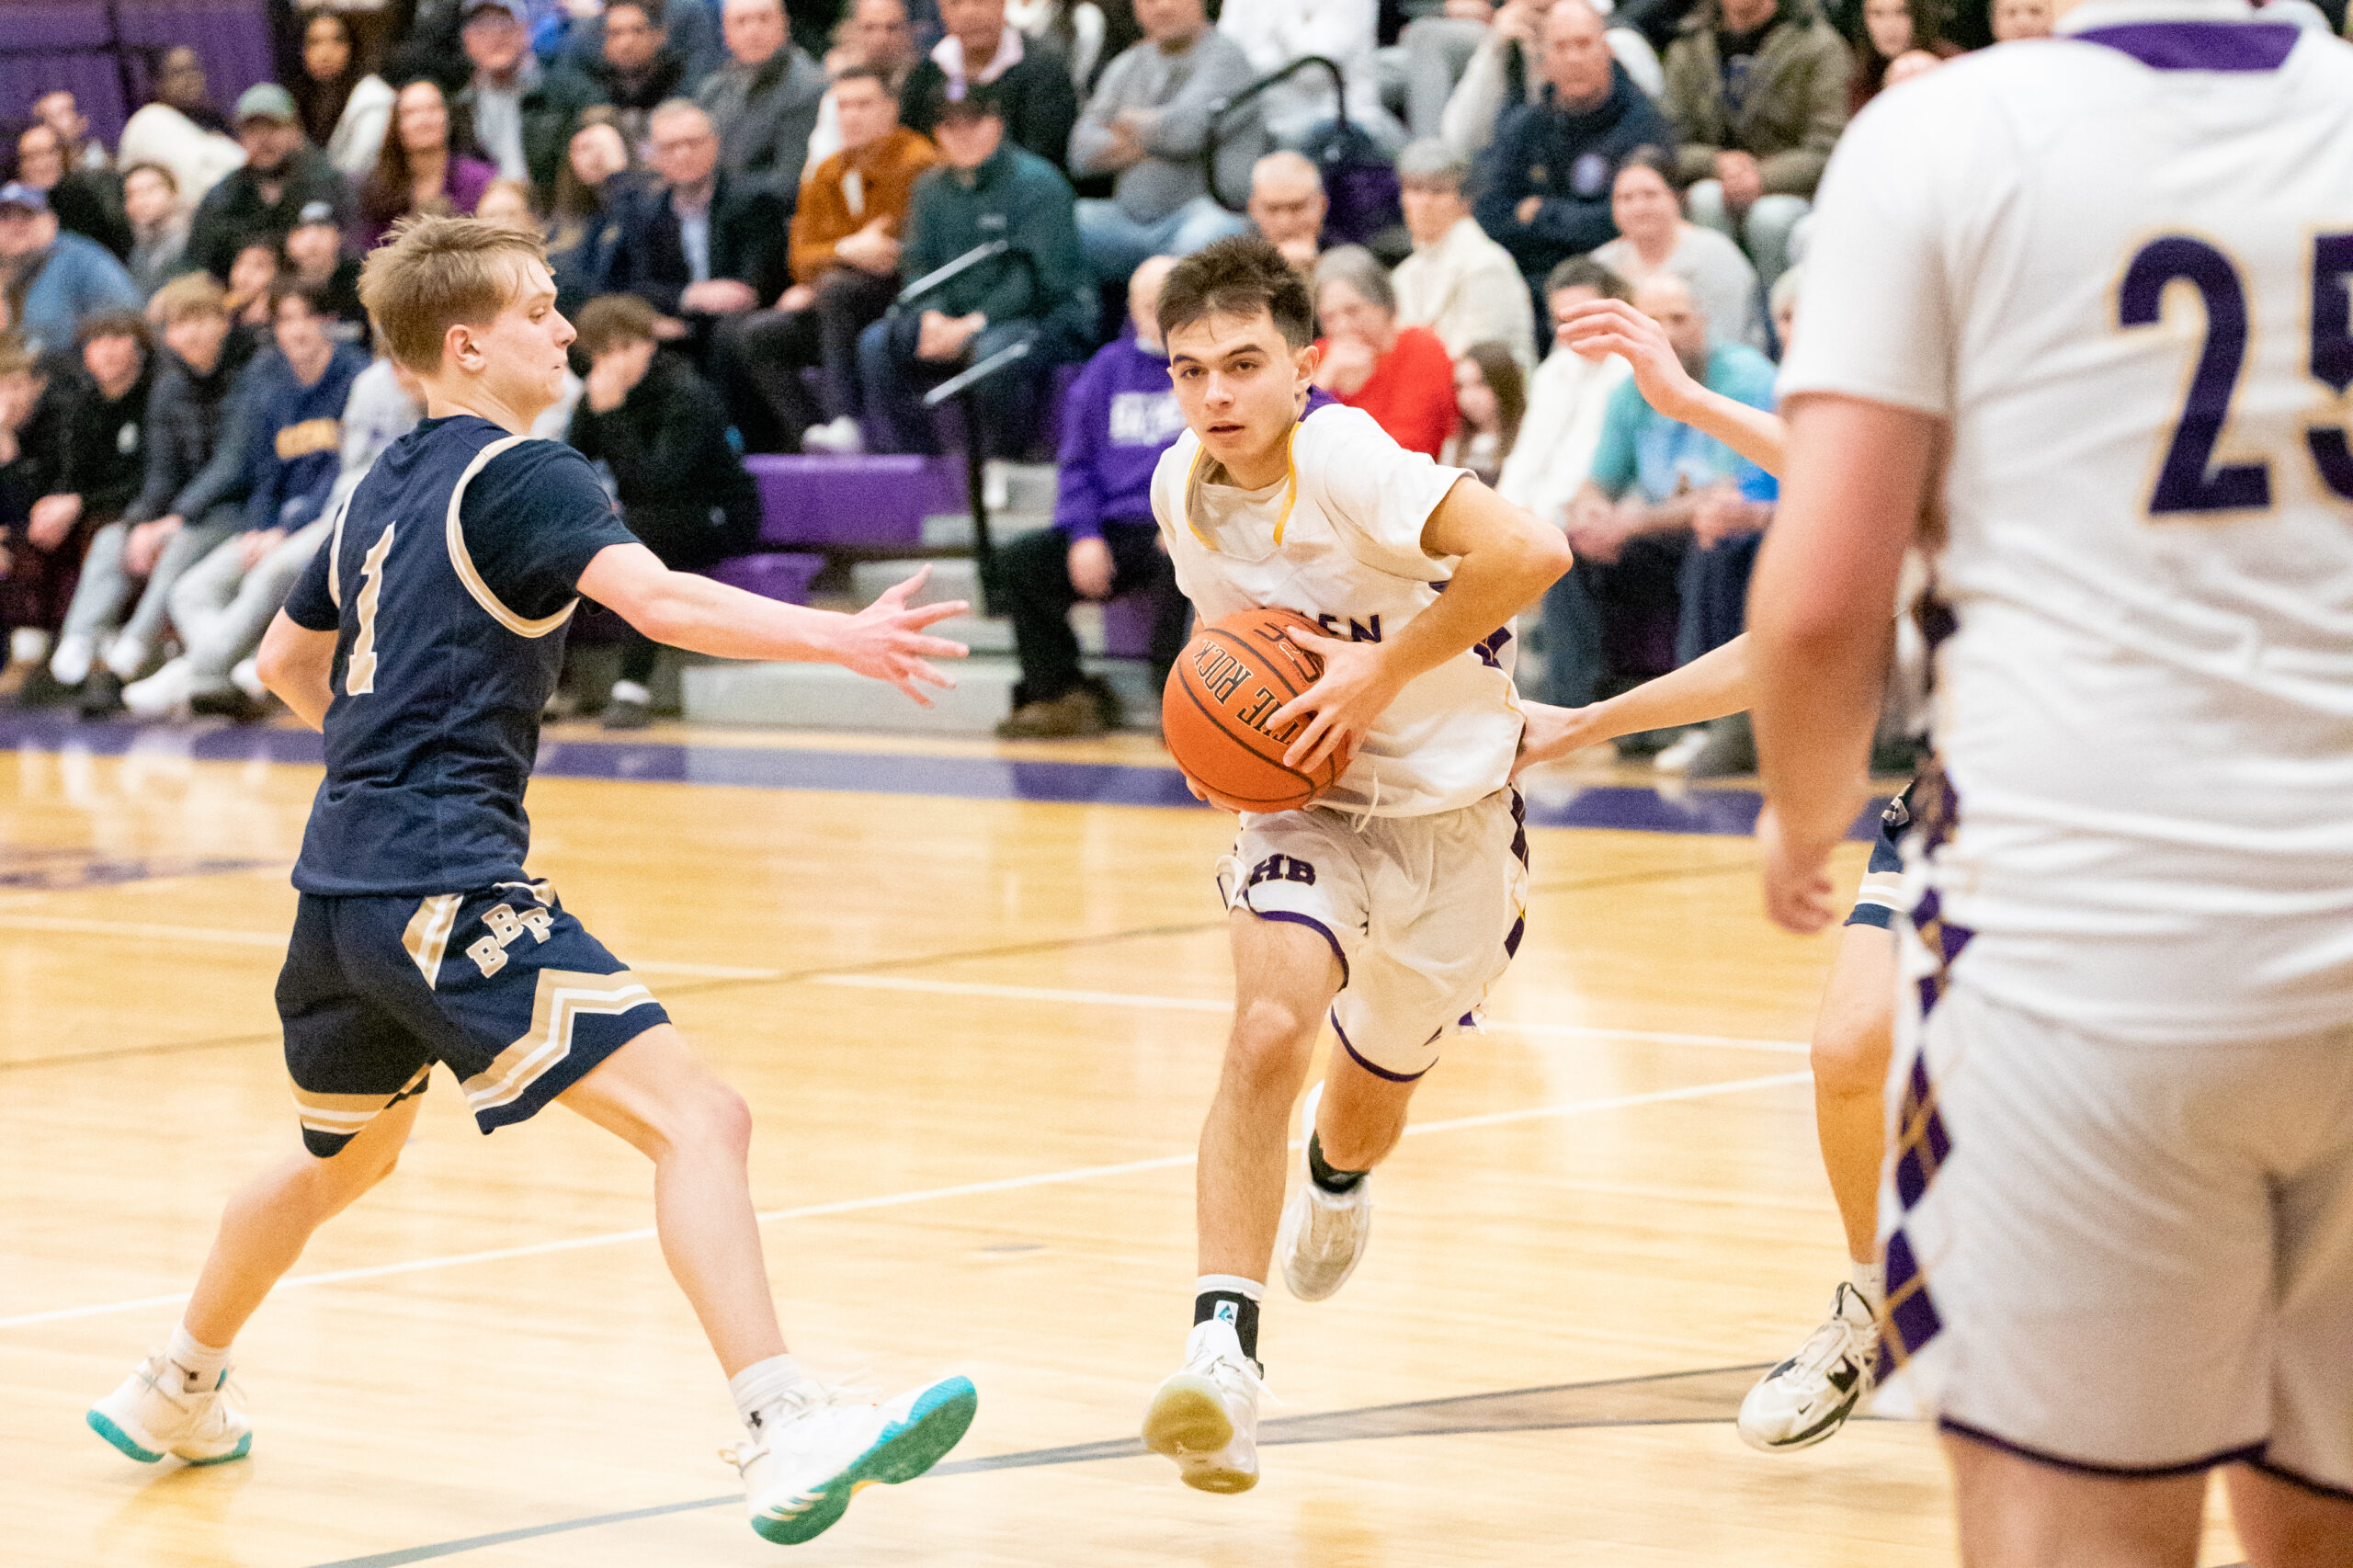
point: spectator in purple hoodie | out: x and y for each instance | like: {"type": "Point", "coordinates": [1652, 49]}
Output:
{"type": "Point", "coordinates": [1119, 416]}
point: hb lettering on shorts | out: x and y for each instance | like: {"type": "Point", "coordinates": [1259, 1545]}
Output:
{"type": "Point", "coordinates": [1281, 868]}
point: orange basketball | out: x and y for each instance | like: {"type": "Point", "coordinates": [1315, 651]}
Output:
{"type": "Point", "coordinates": [1220, 696]}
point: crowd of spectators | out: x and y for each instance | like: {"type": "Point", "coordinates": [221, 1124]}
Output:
{"type": "Point", "coordinates": [777, 223]}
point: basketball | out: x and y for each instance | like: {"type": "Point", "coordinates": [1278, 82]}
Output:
{"type": "Point", "coordinates": [1220, 699]}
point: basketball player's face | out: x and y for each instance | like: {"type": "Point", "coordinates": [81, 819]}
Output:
{"type": "Point", "coordinates": [1240, 386]}
{"type": "Point", "coordinates": [523, 347]}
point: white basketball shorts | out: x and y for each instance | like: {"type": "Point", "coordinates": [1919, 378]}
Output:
{"type": "Point", "coordinates": [1424, 913]}
{"type": "Point", "coordinates": [2121, 1258]}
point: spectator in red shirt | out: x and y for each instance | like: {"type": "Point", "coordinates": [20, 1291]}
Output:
{"type": "Point", "coordinates": [1402, 376]}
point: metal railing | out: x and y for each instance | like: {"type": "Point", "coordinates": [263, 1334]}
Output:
{"type": "Point", "coordinates": [1222, 107]}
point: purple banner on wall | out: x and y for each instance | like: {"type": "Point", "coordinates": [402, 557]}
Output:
{"type": "Point", "coordinates": [71, 43]}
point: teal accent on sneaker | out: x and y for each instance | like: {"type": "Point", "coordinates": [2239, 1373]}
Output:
{"type": "Point", "coordinates": [245, 1445]}
{"type": "Point", "coordinates": [935, 1423]}
{"type": "Point", "coordinates": [122, 1440]}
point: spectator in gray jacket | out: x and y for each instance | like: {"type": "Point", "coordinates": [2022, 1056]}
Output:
{"type": "Point", "coordinates": [765, 99]}
{"type": "Point", "coordinates": [157, 538]}
{"type": "Point", "coordinates": [1147, 123]}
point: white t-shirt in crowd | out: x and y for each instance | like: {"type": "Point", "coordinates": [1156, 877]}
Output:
{"type": "Point", "coordinates": [1338, 540]}
{"type": "Point", "coordinates": [2118, 262]}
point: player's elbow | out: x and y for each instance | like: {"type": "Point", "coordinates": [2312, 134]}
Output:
{"type": "Point", "coordinates": [1545, 556]}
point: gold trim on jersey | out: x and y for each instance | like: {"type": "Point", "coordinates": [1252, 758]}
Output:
{"type": "Point", "coordinates": [344, 1115]}
{"type": "Point", "coordinates": [562, 996]}
{"type": "Point", "coordinates": [334, 548]}
{"type": "Point", "coordinates": [428, 937]}
{"type": "Point", "coordinates": [464, 563]}
{"type": "Point", "coordinates": [1193, 481]}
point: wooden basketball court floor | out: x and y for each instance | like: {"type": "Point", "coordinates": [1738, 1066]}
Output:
{"type": "Point", "coordinates": [975, 995]}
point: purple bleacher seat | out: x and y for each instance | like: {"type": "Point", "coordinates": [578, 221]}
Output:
{"type": "Point", "coordinates": [1127, 626]}
{"type": "Point", "coordinates": [867, 502]}
{"type": "Point", "coordinates": [779, 575]}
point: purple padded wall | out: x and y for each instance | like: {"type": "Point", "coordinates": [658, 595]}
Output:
{"type": "Point", "coordinates": [68, 38]}
{"type": "Point", "coordinates": [785, 574]}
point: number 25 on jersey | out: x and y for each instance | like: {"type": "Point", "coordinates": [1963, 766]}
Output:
{"type": "Point", "coordinates": [2187, 481]}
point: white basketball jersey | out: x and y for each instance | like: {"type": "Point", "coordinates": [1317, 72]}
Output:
{"type": "Point", "coordinates": [2118, 262]}
{"type": "Point", "coordinates": [1338, 540]}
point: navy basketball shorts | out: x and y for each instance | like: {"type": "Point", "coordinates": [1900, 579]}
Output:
{"type": "Point", "coordinates": [502, 985]}
{"type": "Point", "coordinates": [1880, 895]}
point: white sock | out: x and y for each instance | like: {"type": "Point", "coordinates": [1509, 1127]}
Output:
{"type": "Point", "coordinates": [629, 691]}
{"type": "Point", "coordinates": [126, 658]}
{"type": "Point", "coordinates": [762, 1385]}
{"type": "Point", "coordinates": [1249, 1289]}
{"type": "Point", "coordinates": [70, 665]}
{"type": "Point", "coordinates": [1870, 1280]}
{"type": "Point", "coordinates": [202, 1365]}
{"type": "Point", "coordinates": [28, 644]}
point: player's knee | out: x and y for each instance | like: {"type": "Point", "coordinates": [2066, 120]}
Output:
{"type": "Point", "coordinates": [714, 1120]}
{"type": "Point", "coordinates": [1851, 1051]}
{"type": "Point", "coordinates": [1270, 1042]}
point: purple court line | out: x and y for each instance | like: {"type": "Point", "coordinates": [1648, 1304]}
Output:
{"type": "Point", "coordinates": [1729, 812]}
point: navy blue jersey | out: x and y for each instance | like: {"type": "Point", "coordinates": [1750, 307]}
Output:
{"type": "Point", "coordinates": [448, 581]}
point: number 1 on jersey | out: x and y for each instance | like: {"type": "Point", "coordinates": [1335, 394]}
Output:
{"type": "Point", "coordinates": [359, 675]}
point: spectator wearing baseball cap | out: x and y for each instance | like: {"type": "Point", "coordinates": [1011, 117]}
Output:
{"type": "Point", "coordinates": [60, 278]}
{"type": "Point", "coordinates": [282, 175]}
{"type": "Point", "coordinates": [522, 115]}
{"type": "Point", "coordinates": [314, 257]}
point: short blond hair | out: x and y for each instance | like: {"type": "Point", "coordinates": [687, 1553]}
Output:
{"type": "Point", "coordinates": [433, 273]}
{"type": "Point", "coordinates": [190, 294]}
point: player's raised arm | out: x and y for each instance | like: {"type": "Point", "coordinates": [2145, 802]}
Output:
{"type": "Point", "coordinates": [1504, 560]}
{"type": "Point", "coordinates": [1613, 326]}
{"type": "Point", "coordinates": [1714, 686]}
{"type": "Point", "coordinates": [885, 641]}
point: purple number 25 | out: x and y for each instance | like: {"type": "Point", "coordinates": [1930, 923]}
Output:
{"type": "Point", "coordinates": [2187, 481]}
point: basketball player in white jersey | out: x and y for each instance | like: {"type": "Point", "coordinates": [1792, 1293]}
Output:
{"type": "Point", "coordinates": [2084, 302]}
{"type": "Point", "coordinates": [1396, 900]}
{"type": "Point", "coordinates": [1805, 1398]}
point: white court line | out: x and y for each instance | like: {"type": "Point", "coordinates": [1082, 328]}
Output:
{"type": "Point", "coordinates": [1204, 1005]}
{"type": "Point", "coordinates": [71, 925]}
{"type": "Point", "coordinates": [925, 1195]}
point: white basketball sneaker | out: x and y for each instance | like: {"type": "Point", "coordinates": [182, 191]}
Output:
{"type": "Point", "coordinates": [1809, 1396]}
{"type": "Point", "coordinates": [1206, 1415]}
{"type": "Point", "coordinates": [154, 1414]}
{"type": "Point", "coordinates": [816, 1449]}
{"type": "Point", "coordinates": [1324, 1234]}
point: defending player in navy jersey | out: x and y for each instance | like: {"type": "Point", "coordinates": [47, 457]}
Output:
{"type": "Point", "coordinates": [425, 640]}
{"type": "Point", "coordinates": [2083, 303]}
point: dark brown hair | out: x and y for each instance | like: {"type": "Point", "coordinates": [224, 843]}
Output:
{"type": "Point", "coordinates": [1502, 374]}
{"type": "Point", "coordinates": [1238, 277]}
{"type": "Point", "coordinates": [1584, 272]}
{"type": "Point", "coordinates": [609, 320]}
{"type": "Point", "coordinates": [389, 188]}
{"type": "Point", "coordinates": [112, 323]}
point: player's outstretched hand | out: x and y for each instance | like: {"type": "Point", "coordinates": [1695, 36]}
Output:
{"type": "Point", "coordinates": [886, 640]}
{"type": "Point", "coordinates": [1797, 878]}
{"type": "Point", "coordinates": [1354, 691]}
{"type": "Point", "coordinates": [1601, 327]}
{"type": "Point", "coordinates": [1554, 733]}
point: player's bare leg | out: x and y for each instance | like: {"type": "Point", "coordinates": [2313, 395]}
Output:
{"type": "Point", "coordinates": [2021, 1512]}
{"type": "Point", "coordinates": [2282, 1525]}
{"type": "Point", "coordinates": [1352, 1120]}
{"type": "Point", "coordinates": [809, 1450]}
{"type": "Point", "coordinates": [659, 1098]}
{"type": "Point", "coordinates": [1205, 1416]}
{"type": "Point", "coordinates": [178, 1400]}
{"type": "Point", "coordinates": [1284, 980]}
{"type": "Point", "coordinates": [1805, 1399]}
